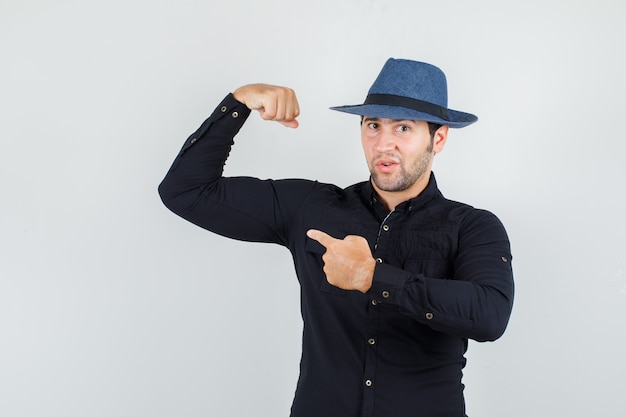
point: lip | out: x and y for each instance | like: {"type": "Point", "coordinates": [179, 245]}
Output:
{"type": "Point", "coordinates": [386, 164]}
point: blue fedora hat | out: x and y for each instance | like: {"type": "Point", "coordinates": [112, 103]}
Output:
{"type": "Point", "coordinates": [410, 90]}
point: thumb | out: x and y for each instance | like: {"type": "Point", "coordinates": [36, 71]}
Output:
{"type": "Point", "coordinates": [291, 123]}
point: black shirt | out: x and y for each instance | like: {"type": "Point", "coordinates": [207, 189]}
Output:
{"type": "Point", "coordinates": [443, 275]}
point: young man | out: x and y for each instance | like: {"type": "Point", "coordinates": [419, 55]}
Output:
{"type": "Point", "coordinates": [394, 277]}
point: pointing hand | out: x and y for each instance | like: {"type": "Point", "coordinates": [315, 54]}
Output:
{"type": "Point", "coordinates": [348, 262]}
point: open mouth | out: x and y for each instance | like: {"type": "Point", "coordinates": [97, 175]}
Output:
{"type": "Point", "coordinates": [386, 161]}
{"type": "Point", "coordinates": [386, 165]}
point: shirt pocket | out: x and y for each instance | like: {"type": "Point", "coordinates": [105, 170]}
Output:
{"type": "Point", "coordinates": [316, 250]}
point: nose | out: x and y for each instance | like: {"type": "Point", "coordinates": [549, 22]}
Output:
{"type": "Point", "coordinates": [386, 141]}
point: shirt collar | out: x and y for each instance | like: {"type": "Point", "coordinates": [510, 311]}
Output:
{"type": "Point", "coordinates": [431, 191]}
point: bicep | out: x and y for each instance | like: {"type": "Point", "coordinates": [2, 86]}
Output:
{"type": "Point", "coordinates": [249, 209]}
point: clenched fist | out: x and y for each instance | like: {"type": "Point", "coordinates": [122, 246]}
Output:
{"type": "Point", "coordinates": [273, 102]}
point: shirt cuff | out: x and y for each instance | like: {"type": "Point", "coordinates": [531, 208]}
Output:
{"type": "Point", "coordinates": [228, 117]}
{"type": "Point", "coordinates": [388, 284]}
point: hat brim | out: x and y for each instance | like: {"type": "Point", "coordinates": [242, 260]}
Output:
{"type": "Point", "coordinates": [456, 119]}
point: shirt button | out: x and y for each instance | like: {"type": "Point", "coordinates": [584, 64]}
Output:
{"type": "Point", "coordinates": [372, 341]}
{"type": "Point", "coordinates": [374, 302]}
{"type": "Point", "coordinates": [193, 140]}
{"type": "Point", "coordinates": [504, 259]}
{"type": "Point", "coordinates": [368, 383]}
{"type": "Point", "coordinates": [429, 316]}
{"type": "Point", "coordinates": [386, 228]}
{"type": "Point", "coordinates": [235, 115]}
{"type": "Point", "coordinates": [223, 109]}
{"type": "Point", "coordinates": [380, 261]}
{"type": "Point", "coordinates": [385, 294]}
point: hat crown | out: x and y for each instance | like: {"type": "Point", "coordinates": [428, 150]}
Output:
{"type": "Point", "coordinates": [410, 90]}
{"type": "Point", "coordinates": [412, 79]}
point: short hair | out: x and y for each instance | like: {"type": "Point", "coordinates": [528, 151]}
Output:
{"type": "Point", "coordinates": [432, 128]}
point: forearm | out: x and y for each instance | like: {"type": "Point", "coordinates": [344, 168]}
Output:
{"type": "Point", "coordinates": [200, 162]}
{"type": "Point", "coordinates": [194, 187]}
{"type": "Point", "coordinates": [461, 308]}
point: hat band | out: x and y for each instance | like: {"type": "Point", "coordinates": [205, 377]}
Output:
{"type": "Point", "coordinates": [411, 103]}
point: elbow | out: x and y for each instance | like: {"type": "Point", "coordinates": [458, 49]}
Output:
{"type": "Point", "coordinates": [171, 199]}
{"type": "Point", "coordinates": [490, 332]}
{"type": "Point", "coordinates": [493, 324]}
{"type": "Point", "coordinates": [493, 318]}
{"type": "Point", "coordinates": [179, 200]}
{"type": "Point", "coordinates": [164, 194]}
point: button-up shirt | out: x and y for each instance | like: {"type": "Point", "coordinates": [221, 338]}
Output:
{"type": "Point", "coordinates": [443, 275]}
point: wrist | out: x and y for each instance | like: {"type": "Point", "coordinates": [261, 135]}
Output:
{"type": "Point", "coordinates": [367, 276]}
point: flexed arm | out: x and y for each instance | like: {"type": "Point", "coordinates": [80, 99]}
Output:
{"type": "Point", "coordinates": [243, 208]}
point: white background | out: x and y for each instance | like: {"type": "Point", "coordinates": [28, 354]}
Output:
{"type": "Point", "coordinates": [112, 306]}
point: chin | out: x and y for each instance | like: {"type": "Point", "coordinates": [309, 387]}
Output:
{"type": "Point", "coordinates": [389, 186]}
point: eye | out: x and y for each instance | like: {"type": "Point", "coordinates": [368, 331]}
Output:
{"type": "Point", "coordinates": [403, 128]}
{"type": "Point", "coordinates": [372, 125]}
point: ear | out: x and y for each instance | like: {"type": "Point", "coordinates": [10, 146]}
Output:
{"type": "Point", "coordinates": [440, 138]}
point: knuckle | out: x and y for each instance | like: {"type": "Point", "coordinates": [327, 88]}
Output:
{"type": "Point", "coordinates": [269, 112]}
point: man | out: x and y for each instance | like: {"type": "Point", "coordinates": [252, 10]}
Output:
{"type": "Point", "coordinates": [394, 277]}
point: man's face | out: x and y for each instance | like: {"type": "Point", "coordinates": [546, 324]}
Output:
{"type": "Point", "coordinates": [399, 153]}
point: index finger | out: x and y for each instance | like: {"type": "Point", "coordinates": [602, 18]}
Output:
{"type": "Point", "coordinates": [323, 238]}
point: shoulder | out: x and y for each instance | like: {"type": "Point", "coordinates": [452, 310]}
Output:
{"type": "Point", "coordinates": [469, 218]}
